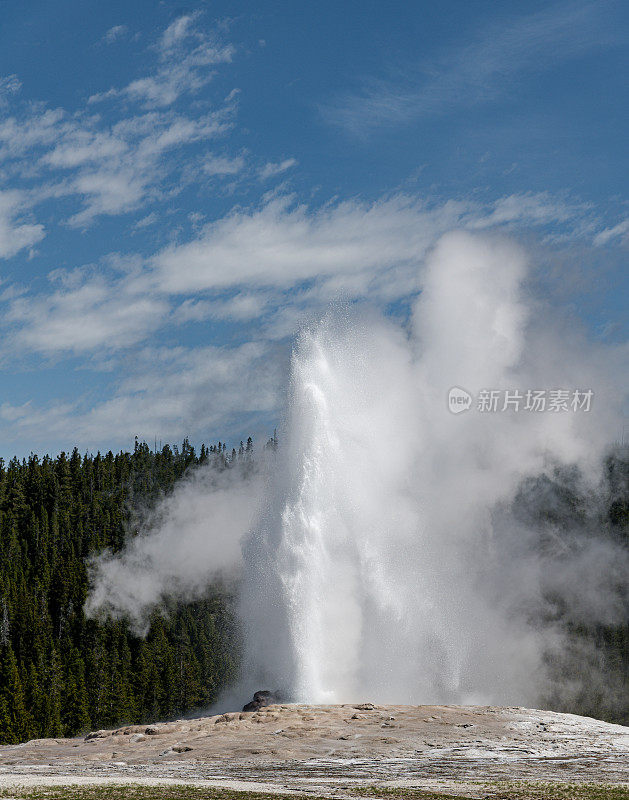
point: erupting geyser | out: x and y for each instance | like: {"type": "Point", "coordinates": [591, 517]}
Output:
{"type": "Point", "coordinates": [385, 558]}
{"type": "Point", "coordinates": [330, 541]}
{"type": "Point", "coordinates": [379, 568]}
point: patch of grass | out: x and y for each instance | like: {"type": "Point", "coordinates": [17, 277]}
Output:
{"type": "Point", "coordinates": [498, 790]}
{"type": "Point", "coordinates": [504, 790]}
{"type": "Point", "coordinates": [138, 792]}
{"type": "Point", "coordinates": [558, 791]}
{"type": "Point", "coordinates": [400, 793]}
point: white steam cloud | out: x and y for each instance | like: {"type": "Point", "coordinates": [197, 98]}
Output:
{"type": "Point", "coordinates": [191, 539]}
{"type": "Point", "coordinates": [392, 558]}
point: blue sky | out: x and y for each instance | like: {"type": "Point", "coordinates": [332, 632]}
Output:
{"type": "Point", "coordinates": [183, 185]}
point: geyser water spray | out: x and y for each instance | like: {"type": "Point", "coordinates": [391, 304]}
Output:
{"type": "Point", "coordinates": [323, 554]}
{"type": "Point", "coordinates": [376, 571]}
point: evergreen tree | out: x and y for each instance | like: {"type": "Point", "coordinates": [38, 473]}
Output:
{"type": "Point", "coordinates": [14, 720]}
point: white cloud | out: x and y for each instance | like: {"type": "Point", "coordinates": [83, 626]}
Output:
{"type": "Point", "coordinates": [82, 316]}
{"type": "Point", "coordinates": [355, 247]}
{"type": "Point", "coordinates": [82, 146]}
{"type": "Point", "coordinates": [222, 165]}
{"type": "Point", "coordinates": [268, 266]}
{"type": "Point", "coordinates": [117, 161]}
{"type": "Point", "coordinates": [112, 169]}
{"type": "Point", "coordinates": [270, 269]}
{"type": "Point", "coordinates": [15, 234]}
{"type": "Point", "coordinates": [9, 84]}
{"type": "Point", "coordinates": [539, 208]}
{"type": "Point", "coordinates": [27, 417]}
{"type": "Point", "coordinates": [271, 169]}
{"type": "Point", "coordinates": [146, 222]}
{"type": "Point", "coordinates": [282, 244]}
{"type": "Point", "coordinates": [278, 263]}
{"type": "Point", "coordinates": [176, 131]}
{"type": "Point", "coordinates": [243, 306]}
{"type": "Point", "coordinates": [40, 127]}
{"type": "Point", "coordinates": [132, 161]}
{"type": "Point", "coordinates": [115, 33]}
{"type": "Point", "coordinates": [187, 55]}
{"type": "Point", "coordinates": [621, 230]}
{"type": "Point", "coordinates": [170, 393]}
{"type": "Point", "coordinates": [177, 31]}
{"type": "Point", "coordinates": [107, 192]}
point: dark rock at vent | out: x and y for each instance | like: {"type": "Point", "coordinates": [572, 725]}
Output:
{"type": "Point", "coordinates": [261, 699]}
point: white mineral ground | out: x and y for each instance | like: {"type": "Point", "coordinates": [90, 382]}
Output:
{"type": "Point", "coordinates": [326, 749]}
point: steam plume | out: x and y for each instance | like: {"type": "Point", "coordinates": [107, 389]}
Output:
{"type": "Point", "coordinates": [191, 539]}
{"type": "Point", "coordinates": [382, 567]}
{"type": "Point", "coordinates": [393, 558]}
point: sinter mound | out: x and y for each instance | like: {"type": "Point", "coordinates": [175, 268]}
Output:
{"type": "Point", "coordinates": [326, 748]}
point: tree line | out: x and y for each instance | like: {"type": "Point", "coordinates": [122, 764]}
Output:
{"type": "Point", "coordinates": [61, 673]}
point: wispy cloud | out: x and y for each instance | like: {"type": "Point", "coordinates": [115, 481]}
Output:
{"type": "Point", "coordinates": [186, 55]}
{"type": "Point", "coordinates": [349, 244]}
{"type": "Point", "coordinates": [242, 306]}
{"type": "Point", "coordinates": [170, 390]}
{"type": "Point", "coordinates": [539, 208]}
{"type": "Point", "coordinates": [116, 161]}
{"type": "Point", "coordinates": [114, 33]}
{"type": "Point", "coordinates": [10, 84]}
{"type": "Point", "coordinates": [15, 233]}
{"type": "Point", "coordinates": [223, 165]}
{"type": "Point", "coordinates": [274, 263]}
{"type": "Point", "coordinates": [260, 261]}
{"type": "Point", "coordinates": [619, 231]}
{"type": "Point", "coordinates": [146, 222]}
{"type": "Point", "coordinates": [91, 313]}
{"type": "Point", "coordinates": [479, 70]}
{"type": "Point", "coordinates": [271, 169]}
